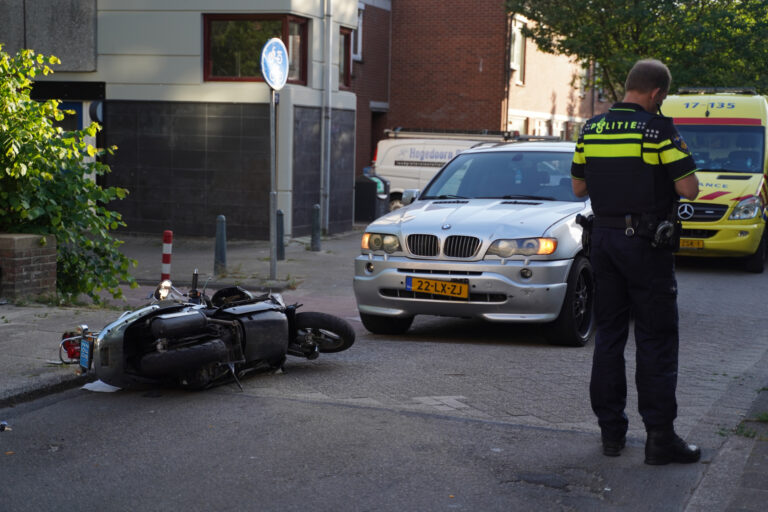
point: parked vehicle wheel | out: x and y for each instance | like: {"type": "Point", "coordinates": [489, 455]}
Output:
{"type": "Point", "coordinates": [575, 324]}
{"type": "Point", "coordinates": [330, 333]}
{"type": "Point", "coordinates": [183, 359]}
{"type": "Point", "coordinates": [386, 324]}
{"type": "Point", "coordinates": [756, 262]}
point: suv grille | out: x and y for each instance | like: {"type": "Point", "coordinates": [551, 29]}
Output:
{"type": "Point", "coordinates": [706, 212]}
{"type": "Point", "coordinates": [423, 245]}
{"type": "Point", "coordinates": [457, 246]}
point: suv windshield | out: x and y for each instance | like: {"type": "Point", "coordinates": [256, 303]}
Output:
{"type": "Point", "coordinates": [725, 148]}
{"type": "Point", "coordinates": [543, 175]}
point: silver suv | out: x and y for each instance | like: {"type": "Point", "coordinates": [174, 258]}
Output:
{"type": "Point", "coordinates": [494, 236]}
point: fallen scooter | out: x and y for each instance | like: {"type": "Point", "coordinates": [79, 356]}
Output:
{"type": "Point", "coordinates": [196, 342]}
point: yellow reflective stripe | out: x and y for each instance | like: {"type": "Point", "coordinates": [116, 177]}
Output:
{"type": "Point", "coordinates": [655, 145]}
{"type": "Point", "coordinates": [685, 175]}
{"type": "Point", "coordinates": [578, 158]}
{"type": "Point", "coordinates": [651, 158]}
{"type": "Point", "coordinates": [612, 150]}
{"type": "Point", "coordinates": [611, 136]}
{"type": "Point", "coordinates": [671, 155]}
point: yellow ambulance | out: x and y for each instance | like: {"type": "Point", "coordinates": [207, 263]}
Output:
{"type": "Point", "coordinates": [725, 130]}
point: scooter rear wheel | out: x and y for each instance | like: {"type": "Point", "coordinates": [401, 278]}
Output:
{"type": "Point", "coordinates": [331, 333]}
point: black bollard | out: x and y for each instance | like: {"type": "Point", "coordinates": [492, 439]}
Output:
{"type": "Point", "coordinates": [220, 251]}
{"type": "Point", "coordinates": [315, 245]}
{"type": "Point", "coordinates": [280, 230]}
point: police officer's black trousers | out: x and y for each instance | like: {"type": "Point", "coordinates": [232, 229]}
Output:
{"type": "Point", "coordinates": [632, 279]}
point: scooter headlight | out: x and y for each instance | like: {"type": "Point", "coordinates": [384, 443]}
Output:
{"type": "Point", "coordinates": [163, 289]}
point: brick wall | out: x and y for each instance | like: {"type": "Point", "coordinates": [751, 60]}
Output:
{"type": "Point", "coordinates": [448, 64]}
{"type": "Point", "coordinates": [550, 89]}
{"type": "Point", "coordinates": [27, 267]}
{"type": "Point", "coordinates": [370, 81]}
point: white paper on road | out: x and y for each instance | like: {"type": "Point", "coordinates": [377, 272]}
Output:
{"type": "Point", "coordinates": [101, 387]}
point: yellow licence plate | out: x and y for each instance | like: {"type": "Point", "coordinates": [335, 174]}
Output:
{"type": "Point", "coordinates": [437, 287]}
{"type": "Point", "coordinates": [692, 244]}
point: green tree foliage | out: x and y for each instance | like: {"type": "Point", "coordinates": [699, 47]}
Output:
{"type": "Point", "coordinates": [716, 43]}
{"type": "Point", "coordinates": [47, 184]}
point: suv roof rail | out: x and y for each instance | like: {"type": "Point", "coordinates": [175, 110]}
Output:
{"type": "Point", "coordinates": [528, 138]}
{"type": "Point", "coordinates": [415, 133]}
{"type": "Point", "coordinates": [481, 135]}
{"type": "Point", "coordinates": [717, 90]}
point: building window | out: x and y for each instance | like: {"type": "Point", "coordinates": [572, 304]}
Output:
{"type": "Point", "coordinates": [233, 44]}
{"type": "Point", "coordinates": [357, 35]}
{"type": "Point", "coordinates": [517, 50]}
{"type": "Point", "coordinates": [345, 54]}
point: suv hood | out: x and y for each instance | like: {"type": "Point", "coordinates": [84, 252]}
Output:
{"type": "Point", "coordinates": [486, 218]}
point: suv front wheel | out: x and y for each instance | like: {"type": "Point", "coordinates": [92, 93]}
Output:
{"type": "Point", "coordinates": [378, 324]}
{"type": "Point", "coordinates": [576, 322]}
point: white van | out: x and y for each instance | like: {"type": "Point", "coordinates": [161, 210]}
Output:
{"type": "Point", "coordinates": [410, 159]}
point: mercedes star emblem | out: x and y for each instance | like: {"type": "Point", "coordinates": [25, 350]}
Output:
{"type": "Point", "coordinates": [685, 211]}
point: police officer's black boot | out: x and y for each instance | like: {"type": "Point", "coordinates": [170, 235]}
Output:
{"type": "Point", "coordinates": [664, 446]}
{"type": "Point", "coordinates": [613, 447]}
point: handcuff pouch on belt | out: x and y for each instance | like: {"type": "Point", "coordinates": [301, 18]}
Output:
{"type": "Point", "coordinates": [662, 233]}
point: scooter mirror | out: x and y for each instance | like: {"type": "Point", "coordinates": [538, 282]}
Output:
{"type": "Point", "coordinates": [163, 289]}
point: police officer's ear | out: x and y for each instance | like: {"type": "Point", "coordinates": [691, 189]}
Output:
{"type": "Point", "coordinates": [658, 95]}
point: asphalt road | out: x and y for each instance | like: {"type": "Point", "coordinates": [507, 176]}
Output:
{"type": "Point", "coordinates": [455, 414]}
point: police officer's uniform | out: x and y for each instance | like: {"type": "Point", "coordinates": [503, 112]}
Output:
{"type": "Point", "coordinates": [630, 160]}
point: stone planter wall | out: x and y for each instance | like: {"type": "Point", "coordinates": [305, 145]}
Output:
{"type": "Point", "coordinates": [27, 266]}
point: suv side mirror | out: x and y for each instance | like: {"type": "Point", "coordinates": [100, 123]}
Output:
{"type": "Point", "coordinates": [410, 195]}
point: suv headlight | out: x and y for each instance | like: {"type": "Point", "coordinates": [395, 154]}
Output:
{"type": "Point", "coordinates": [380, 242]}
{"type": "Point", "coordinates": [748, 208]}
{"type": "Point", "coordinates": [522, 247]}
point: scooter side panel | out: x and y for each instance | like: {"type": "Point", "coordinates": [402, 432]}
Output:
{"type": "Point", "coordinates": [266, 335]}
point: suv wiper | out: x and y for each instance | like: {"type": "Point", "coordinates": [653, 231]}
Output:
{"type": "Point", "coordinates": [524, 196]}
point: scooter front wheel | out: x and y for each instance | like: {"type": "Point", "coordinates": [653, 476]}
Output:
{"type": "Point", "coordinates": [330, 333]}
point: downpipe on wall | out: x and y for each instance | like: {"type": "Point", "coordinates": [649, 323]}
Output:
{"type": "Point", "coordinates": [325, 173]}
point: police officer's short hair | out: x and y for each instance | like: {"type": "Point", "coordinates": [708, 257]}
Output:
{"type": "Point", "coordinates": [647, 75]}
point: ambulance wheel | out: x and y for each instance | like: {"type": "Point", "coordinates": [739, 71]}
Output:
{"type": "Point", "coordinates": [756, 262]}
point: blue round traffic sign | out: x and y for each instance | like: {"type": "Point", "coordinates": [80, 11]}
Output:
{"type": "Point", "coordinates": [274, 63]}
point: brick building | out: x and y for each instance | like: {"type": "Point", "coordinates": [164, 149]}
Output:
{"type": "Point", "coordinates": [460, 66]}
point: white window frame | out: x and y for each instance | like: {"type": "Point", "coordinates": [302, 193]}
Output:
{"type": "Point", "coordinates": [357, 35]}
{"type": "Point", "coordinates": [517, 45]}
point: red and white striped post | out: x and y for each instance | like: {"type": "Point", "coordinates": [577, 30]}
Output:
{"type": "Point", "coordinates": [167, 248]}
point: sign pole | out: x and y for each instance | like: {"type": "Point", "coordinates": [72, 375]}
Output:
{"type": "Point", "coordinates": [272, 189]}
{"type": "Point", "coordinates": [274, 69]}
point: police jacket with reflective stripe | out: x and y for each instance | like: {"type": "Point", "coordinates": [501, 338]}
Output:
{"type": "Point", "coordinates": [630, 159]}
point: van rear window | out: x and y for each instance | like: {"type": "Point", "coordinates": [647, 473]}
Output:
{"type": "Point", "coordinates": [726, 148]}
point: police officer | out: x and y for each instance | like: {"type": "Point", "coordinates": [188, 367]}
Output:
{"type": "Point", "coordinates": [634, 166]}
